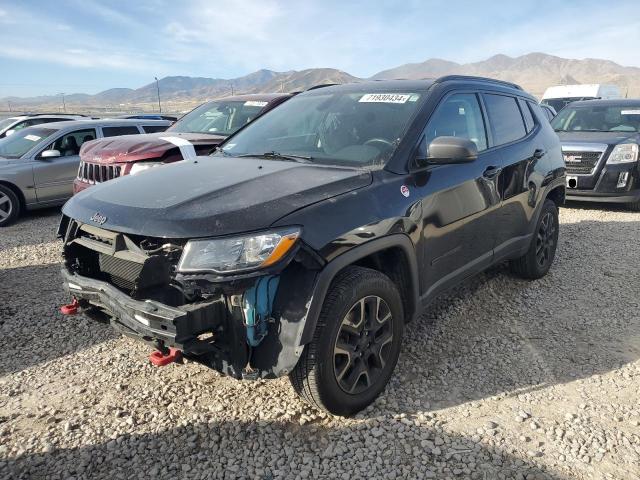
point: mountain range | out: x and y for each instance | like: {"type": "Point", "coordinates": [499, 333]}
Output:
{"type": "Point", "coordinates": [533, 71]}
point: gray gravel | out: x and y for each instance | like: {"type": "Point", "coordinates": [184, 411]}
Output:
{"type": "Point", "coordinates": [501, 379]}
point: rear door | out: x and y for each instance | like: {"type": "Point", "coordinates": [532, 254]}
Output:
{"type": "Point", "coordinates": [460, 202]}
{"type": "Point", "coordinates": [53, 177]}
{"type": "Point", "coordinates": [514, 130]}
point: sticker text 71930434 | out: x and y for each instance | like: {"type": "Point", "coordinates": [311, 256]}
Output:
{"type": "Point", "coordinates": [384, 98]}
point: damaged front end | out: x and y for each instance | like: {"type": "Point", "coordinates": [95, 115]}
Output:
{"type": "Point", "coordinates": [246, 324]}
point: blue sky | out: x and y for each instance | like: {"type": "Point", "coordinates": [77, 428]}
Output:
{"type": "Point", "coordinates": [69, 46]}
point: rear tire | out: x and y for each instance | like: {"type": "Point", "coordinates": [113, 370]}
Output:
{"type": "Point", "coordinates": [355, 345]}
{"type": "Point", "coordinates": [9, 206]}
{"type": "Point", "coordinates": [542, 251]}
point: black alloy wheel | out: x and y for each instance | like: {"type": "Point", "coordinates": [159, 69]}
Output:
{"type": "Point", "coordinates": [362, 347]}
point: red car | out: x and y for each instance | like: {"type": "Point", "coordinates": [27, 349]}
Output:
{"type": "Point", "coordinates": [201, 130]}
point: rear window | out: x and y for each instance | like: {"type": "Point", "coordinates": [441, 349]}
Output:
{"type": "Point", "coordinates": [505, 118]}
{"type": "Point", "coordinates": [116, 131]}
{"type": "Point", "coordinates": [154, 128]}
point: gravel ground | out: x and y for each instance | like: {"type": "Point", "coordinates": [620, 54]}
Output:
{"type": "Point", "coordinates": [501, 379]}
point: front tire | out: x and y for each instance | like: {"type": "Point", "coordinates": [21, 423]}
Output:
{"type": "Point", "coordinates": [9, 206]}
{"type": "Point", "coordinates": [542, 251]}
{"type": "Point", "coordinates": [355, 345]}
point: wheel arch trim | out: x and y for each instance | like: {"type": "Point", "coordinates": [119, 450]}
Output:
{"type": "Point", "coordinates": [329, 272]}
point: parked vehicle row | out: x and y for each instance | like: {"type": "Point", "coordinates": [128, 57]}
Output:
{"type": "Point", "coordinates": [307, 240]}
{"type": "Point", "coordinates": [39, 164]}
{"type": "Point", "coordinates": [198, 132]}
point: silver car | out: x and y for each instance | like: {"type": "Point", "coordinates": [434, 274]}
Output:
{"type": "Point", "coordinates": [38, 164]}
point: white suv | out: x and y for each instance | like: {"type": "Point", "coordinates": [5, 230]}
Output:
{"type": "Point", "coordinates": [12, 124]}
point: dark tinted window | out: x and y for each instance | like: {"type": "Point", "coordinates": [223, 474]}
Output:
{"type": "Point", "coordinates": [154, 128]}
{"type": "Point", "coordinates": [528, 117]}
{"type": "Point", "coordinates": [116, 131]}
{"type": "Point", "coordinates": [505, 118]}
{"type": "Point", "coordinates": [458, 116]}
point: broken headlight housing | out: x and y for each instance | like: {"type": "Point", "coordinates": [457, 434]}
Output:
{"type": "Point", "coordinates": [237, 254]}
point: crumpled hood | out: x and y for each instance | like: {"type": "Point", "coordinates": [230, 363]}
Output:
{"type": "Point", "coordinates": [610, 138]}
{"type": "Point", "coordinates": [148, 146]}
{"type": "Point", "coordinates": [211, 196]}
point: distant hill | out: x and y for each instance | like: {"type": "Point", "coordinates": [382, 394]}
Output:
{"type": "Point", "coordinates": [534, 72]}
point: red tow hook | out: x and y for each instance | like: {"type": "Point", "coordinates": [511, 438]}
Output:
{"type": "Point", "coordinates": [160, 360]}
{"type": "Point", "coordinates": [71, 308]}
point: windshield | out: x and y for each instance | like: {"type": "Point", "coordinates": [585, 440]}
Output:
{"type": "Point", "coordinates": [598, 118]}
{"type": "Point", "coordinates": [6, 122]}
{"type": "Point", "coordinates": [16, 145]}
{"type": "Point", "coordinates": [353, 129]}
{"type": "Point", "coordinates": [220, 118]}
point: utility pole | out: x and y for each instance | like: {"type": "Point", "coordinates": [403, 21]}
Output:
{"type": "Point", "coordinates": [158, 89]}
{"type": "Point", "coordinates": [231, 88]}
{"type": "Point", "coordinates": [64, 105]}
{"type": "Point", "coordinates": [9, 103]}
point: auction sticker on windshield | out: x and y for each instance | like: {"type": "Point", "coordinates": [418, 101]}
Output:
{"type": "Point", "coordinates": [255, 103]}
{"type": "Point", "coordinates": [384, 98]}
{"type": "Point", "coordinates": [33, 138]}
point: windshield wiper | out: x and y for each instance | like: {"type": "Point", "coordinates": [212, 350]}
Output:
{"type": "Point", "coordinates": [279, 156]}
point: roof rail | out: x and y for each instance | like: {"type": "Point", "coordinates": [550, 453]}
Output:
{"type": "Point", "coordinates": [448, 78]}
{"type": "Point", "coordinates": [322, 85]}
{"type": "Point", "coordinates": [35, 114]}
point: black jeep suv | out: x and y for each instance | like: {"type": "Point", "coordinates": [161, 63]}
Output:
{"type": "Point", "coordinates": [303, 245]}
{"type": "Point", "coordinates": [600, 141]}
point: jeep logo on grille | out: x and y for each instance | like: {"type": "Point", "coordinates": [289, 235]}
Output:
{"type": "Point", "coordinates": [573, 158]}
{"type": "Point", "coordinates": [98, 218]}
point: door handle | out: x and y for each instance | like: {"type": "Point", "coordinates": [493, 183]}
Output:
{"type": "Point", "coordinates": [539, 153]}
{"type": "Point", "coordinates": [491, 172]}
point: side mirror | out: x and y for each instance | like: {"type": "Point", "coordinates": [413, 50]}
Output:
{"type": "Point", "coordinates": [448, 150]}
{"type": "Point", "coordinates": [9, 132]}
{"type": "Point", "coordinates": [50, 154]}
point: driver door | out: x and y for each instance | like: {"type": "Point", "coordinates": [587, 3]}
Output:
{"type": "Point", "coordinates": [53, 177]}
{"type": "Point", "coordinates": [461, 204]}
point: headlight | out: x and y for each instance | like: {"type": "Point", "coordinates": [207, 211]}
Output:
{"type": "Point", "coordinates": [623, 153]}
{"type": "Point", "coordinates": [237, 254]}
{"type": "Point", "coordinates": [142, 166]}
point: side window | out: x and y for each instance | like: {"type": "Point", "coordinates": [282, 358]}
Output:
{"type": "Point", "coordinates": [117, 131]}
{"type": "Point", "coordinates": [526, 114]}
{"type": "Point", "coordinates": [154, 128]}
{"type": "Point", "coordinates": [69, 144]}
{"type": "Point", "coordinates": [504, 118]}
{"type": "Point", "coordinates": [458, 116]}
